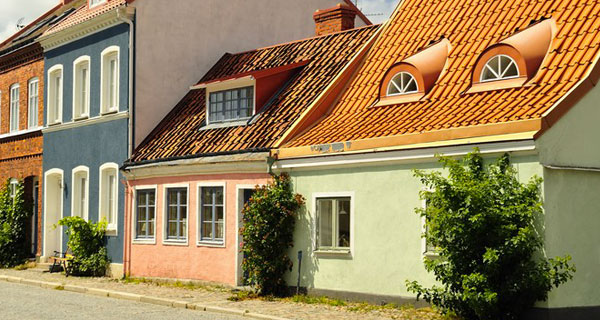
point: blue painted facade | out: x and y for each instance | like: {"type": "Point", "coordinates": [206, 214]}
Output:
{"type": "Point", "coordinates": [99, 142]}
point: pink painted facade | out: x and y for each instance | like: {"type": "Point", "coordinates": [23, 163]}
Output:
{"type": "Point", "coordinates": [190, 260]}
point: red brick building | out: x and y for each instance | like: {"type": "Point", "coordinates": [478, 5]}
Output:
{"type": "Point", "coordinates": [22, 113]}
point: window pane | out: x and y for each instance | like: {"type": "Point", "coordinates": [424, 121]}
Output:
{"type": "Point", "coordinates": [151, 198]}
{"type": "Point", "coordinates": [172, 213]}
{"type": "Point", "coordinates": [183, 229]}
{"type": "Point", "coordinates": [142, 229]}
{"type": "Point", "coordinates": [172, 230]}
{"type": "Point", "coordinates": [142, 198]}
{"type": "Point", "coordinates": [151, 213]}
{"type": "Point", "coordinates": [206, 214]}
{"type": "Point", "coordinates": [344, 223]}
{"type": "Point", "coordinates": [219, 230]}
{"type": "Point", "coordinates": [151, 229]}
{"type": "Point", "coordinates": [142, 214]}
{"type": "Point", "coordinates": [220, 214]}
{"type": "Point", "coordinates": [207, 196]}
{"type": "Point", "coordinates": [207, 230]}
{"type": "Point", "coordinates": [325, 217]}
{"type": "Point", "coordinates": [219, 195]}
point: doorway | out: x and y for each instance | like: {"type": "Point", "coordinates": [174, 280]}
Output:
{"type": "Point", "coordinates": [244, 193]}
{"type": "Point", "coordinates": [53, 196]}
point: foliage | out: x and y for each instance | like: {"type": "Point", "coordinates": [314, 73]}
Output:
{"type": "Point", "coordinates": [86, 243]}
{"type": "Point", "coordinates": [14, 218]}
{"type": "Point", "coordinates": [269, 218]}
{"type": "Point", "coordinates": [482, 220]}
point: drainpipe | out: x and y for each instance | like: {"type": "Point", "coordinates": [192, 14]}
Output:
{"type": "Point", "coordinates": [553, 167]}
{"type": "Point", "coordinates": [131, 62]}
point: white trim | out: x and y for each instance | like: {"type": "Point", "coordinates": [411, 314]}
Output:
{"type": "Point", "coordinates": [74, 173]}
{"type": "Point", "coordinates": [199, 241]}
{"type": "Point", "coordinates": [403, 156]}
{"type": "Point", "coordinates": [18, 133]}
{"type": "Point", "coordinates": [400, 92]}
{"type": "Point", "coordinates": [106, 53]}
{"type": "Point", "coordinates": [50, 87]}
{"type": "Point", "coordinates": [48, 173]}
{"type": "Point", "coordinates": [86, 122]}
{"type": "Point", "coordinates": [230, 84]}
{"type": "Point", "coordinates": [165, 213]}
{"type": "Point", "coordinates": [11, 101]}
{"type": "Point", "coordinates": [341, 251]}
{"type": "Point", "coordinates": [100, 2]}
{"type": "Point", "coordinates": [134, 239]}
{"type": "Point", "coordinates": [238, 222]}
{"type": "Point", "coordinates": [31, 81]}
{"type": "Point", "coordinates": [499, 77]}
{"type": "Point", "coordinates": [112, 229]}
{"type": "Point", "coordinates": [75, 106]}
{"type": "Point", "coordinates": [424, 252]}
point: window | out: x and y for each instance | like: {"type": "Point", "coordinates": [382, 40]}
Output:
{"type": "Point", "coordinates": [94, 3]}
{"type": "Point", "coordinates": [212, 214]}
{"type": "Point", "coordinates": [110, 80]}
{"type": "Point", "coordinates": [81, 87]}
{"type": "Point", "coordinates": [176, 228]}
{"type": "Point", "coordinates": [402, 83]}
{"type": "Point", "coordinates": [109, 174]}
{"type": "Point", "coordinates": [145, 213]}
{"type": "Point", "coordinates": [428, 249]}
{"type": "Point", "coordinates": [33, 103]}
{"type": "Point", "coordinates": [55, 89]}
{"type": "Point", "coordinates": [79, 204]}
{"type": "Point", "coordinates": [13, 188]}
{"type": "Point", "coordinates": [14, 108]}
{"type": "Point", "coordinates": [499, 67]}
{"type": "Point", "coordinates": [333, 223]}
{"type": "Point", "coordinates": [228, 105]}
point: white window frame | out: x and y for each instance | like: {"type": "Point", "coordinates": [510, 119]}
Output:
{"type": "Point", "coordinates": [98, 2]}
{"type": "Point", "coordinates": [500, 77]}
{"type": "Point", "coordinates": [33, 103]}
{"type": "Point", "coordinates": [402, 90]}
{"type": "Point", "coordinates": [76, 190]}
{"type": "Point", "coordinates": [199, 186]}
{"type": "Point", "coordinates": [55, 104]}
{"type": "Point", "coordinates": [334, 251]}
{"type": "Point", "coordinates": [424, 250]}
{"type": "Point", "coordinates": [229, 85]}
{"type": "Point", "coordinates": [165, 214]}
{"type": "Point", "coordinates": [78, 112]}
{"type": "Point", "coordinates": [14, 107]}
{"type": "Point", "coordinates": [13, 188]}
{"type": "Point", "coordinates": [105, 106]}
{"type": "Point", "coordinates": [157, 205]}
{"type": "Point", "coordinates": [112, 228]}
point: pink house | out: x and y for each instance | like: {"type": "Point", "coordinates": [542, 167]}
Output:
{"type": "Point", "coordinates": [188, 180]}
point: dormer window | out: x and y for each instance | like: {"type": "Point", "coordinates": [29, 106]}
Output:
{"type": "Point", "coordinates": [94, 3]}
{"type": "Point", "coordinates": [402, 83]}
{"type": "Point", "coordinates": [500, 67]}
{"type": "Point", "coordinates": [231, 105]}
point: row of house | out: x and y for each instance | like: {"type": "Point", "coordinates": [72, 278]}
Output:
{"type": "Point", "coordinates": [133, 111]}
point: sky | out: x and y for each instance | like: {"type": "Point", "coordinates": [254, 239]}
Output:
{"type": "Point", "coordinates": [12, 10]}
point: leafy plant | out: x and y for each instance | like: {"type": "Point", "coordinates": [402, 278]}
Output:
{"type": "Point", "coordinates": [267, 234]}
{"type": "Point", "coordinates": [482, 221]}
{"type": "Point", "coordinates": [14, 217]}
{"type": "Point", "coordinates": [86, 242]}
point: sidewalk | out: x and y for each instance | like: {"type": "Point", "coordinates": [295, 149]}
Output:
{"type": "Point", "coordinates": [208, 298]}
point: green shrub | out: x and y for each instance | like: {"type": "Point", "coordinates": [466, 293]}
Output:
{"type": "Point", "coordinates": [268, 233]}
{"type": "Point", "coordinates": [86, 243]}
{"type": "Point", "coordinates": [482, 220]}
{"type": "Point", "coordinates": [14, 218]}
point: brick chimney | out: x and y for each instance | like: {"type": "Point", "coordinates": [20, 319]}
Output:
{"type": "Point", "coordinates": [336, 19]}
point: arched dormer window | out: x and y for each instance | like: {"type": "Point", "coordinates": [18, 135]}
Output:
{"type": "Point", "coordinates": [402, 83]}
{"type": "Point", "coordinates": [515, 61]}
{"type": "Point", "coordinates": [413, 78]}
{"type": "Point", "coordinates": [499, 67]}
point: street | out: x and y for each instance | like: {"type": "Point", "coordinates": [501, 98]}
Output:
{"type": "Point", "coordinates": [22, 302]}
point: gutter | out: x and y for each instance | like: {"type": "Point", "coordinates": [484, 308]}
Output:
{"type": "Point", "coordinates": [130, 94]}
{"type": "Point", "coordinates": [555, 167]}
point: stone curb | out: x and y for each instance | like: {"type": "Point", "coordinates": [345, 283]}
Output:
{"type": "Point", "coordinates": [139, 298]}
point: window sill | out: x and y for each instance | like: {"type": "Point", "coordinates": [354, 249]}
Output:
{"type": "Point", "coordinates": [333, 252]}
{"type": "Point", "coordinates": [236, 123]}
{"type": "Point", "coordinates": [54, 123]}
{"type": "Point", "coordinates": [82, 117]}
{"type": "Point", "coordinates": [18, 133]}
{"type": "Point", "coordinates": [111, 111]}
{"type": "Point", "coordinates": [212, 244]}
{"type": "Point", "coordinates": [497, 85]}
{"type": "Point", "coordinates": [144, 241]}
{"type": "Point", "coordinates": [111, 232]}
{"type": "Point", "coordinates": [175, 243]}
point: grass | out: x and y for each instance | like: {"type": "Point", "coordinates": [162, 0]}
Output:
{"type": "Point", "coordinates": [26, 265]}
{"type": "Point", "coordinates": [189, 285]}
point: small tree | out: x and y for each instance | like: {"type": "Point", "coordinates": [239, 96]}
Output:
{"type": "Point", "coordinates": [86, 241]}
{"type": "Point", "coordinates": [14, 217]}
{"type": "Point", "coordinates": [268, 233]}
{"type": "Point", "coordinates": [481, 219]}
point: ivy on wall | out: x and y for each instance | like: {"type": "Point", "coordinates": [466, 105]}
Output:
{"type": "Point", "coordinates": [14, 218]}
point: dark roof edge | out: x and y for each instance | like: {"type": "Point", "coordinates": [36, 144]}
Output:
{"type": "Point", "coordinates": [129, 163]}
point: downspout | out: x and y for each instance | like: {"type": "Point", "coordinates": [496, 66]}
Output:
{"type": "Point", "coordinates": [130, 95]}
{"type": "Point", "coordinates": [588, 169]}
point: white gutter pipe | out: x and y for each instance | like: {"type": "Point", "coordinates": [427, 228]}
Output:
{"type": "Point", "coordinates": [130, 95]}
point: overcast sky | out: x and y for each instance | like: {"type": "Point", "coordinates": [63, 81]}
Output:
{"type": "Point", "coordinates": [12, 10]}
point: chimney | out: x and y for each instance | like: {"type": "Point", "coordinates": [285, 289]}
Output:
{"type": "Point", "coordinates": [336, 19]}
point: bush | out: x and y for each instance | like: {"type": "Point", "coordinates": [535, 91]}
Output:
{"type": "Point", "coordinates": [268, 233]}
{"type": "Point", "coordinates": [14, 218]}
{"type": "Point", "coordinates": [482, 222]}
{"type": "Point", "coordinates": [86, 243]}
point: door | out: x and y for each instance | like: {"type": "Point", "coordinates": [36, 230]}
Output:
{"type": "Point", "coordinates": [35, 204]}
{"type": "Point", "coordinates": [52, 212]}
{"type": "Point", "coordinates": [244, 195]}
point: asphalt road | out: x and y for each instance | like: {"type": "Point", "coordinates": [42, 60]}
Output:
{"type": "Point", "coordinates": [23, 302]}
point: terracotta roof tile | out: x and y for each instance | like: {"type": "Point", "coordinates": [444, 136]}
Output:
{"type": "Point", "coordinates": [179, 134]}
{"type": "Point", "coordinates": [471, 26]}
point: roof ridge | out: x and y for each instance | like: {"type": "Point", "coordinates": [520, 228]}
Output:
{"type": "Point", "coordinates": [30, 25]}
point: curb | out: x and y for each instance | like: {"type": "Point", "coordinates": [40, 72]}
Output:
{"type": "Point", "coordinates": [138, 298]}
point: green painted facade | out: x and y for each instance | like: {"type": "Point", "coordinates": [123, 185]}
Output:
{"type": "Point", "coordinates": [387, 244]}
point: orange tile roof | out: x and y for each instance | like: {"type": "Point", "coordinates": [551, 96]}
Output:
{"type": "Point", "coordinates": [84, 13]}
{"type": "Point", "coordinates": [471, 26]}
{"type": "Point", "coordinates": [322, 58]}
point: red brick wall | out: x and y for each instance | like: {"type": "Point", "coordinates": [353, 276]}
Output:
{"type": "Point", "coordinates": [21, 155]}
